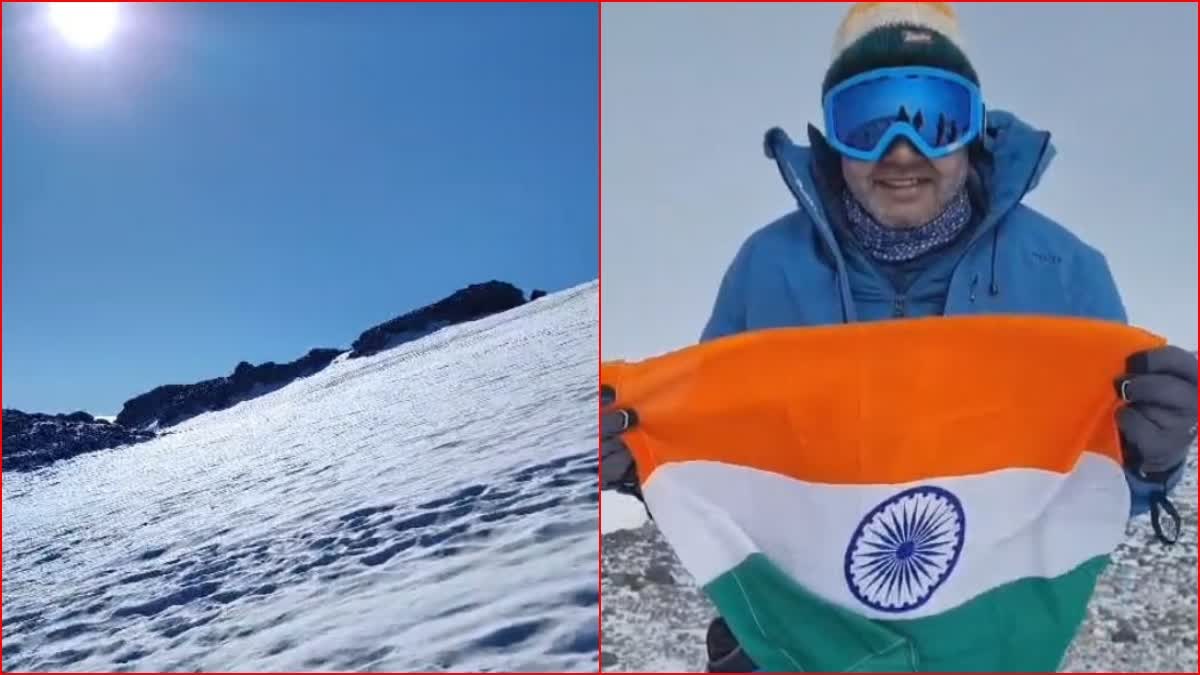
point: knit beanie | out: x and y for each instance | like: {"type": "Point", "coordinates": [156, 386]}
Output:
{"type": "Point", "coordinates": [888, 34]}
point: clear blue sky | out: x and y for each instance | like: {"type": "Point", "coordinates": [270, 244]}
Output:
{"type": "Point", "coordinates": [234, 182]}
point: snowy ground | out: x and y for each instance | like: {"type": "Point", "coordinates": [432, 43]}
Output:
{"type": "Point", "coordinates": [431, 507]}
{"type": "Point", "coordinates": [1142, 619]}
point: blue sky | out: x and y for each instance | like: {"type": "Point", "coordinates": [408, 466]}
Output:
{"type": "Point", "coordinates": [245, 182]}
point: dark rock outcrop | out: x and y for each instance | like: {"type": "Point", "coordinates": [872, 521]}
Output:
{"type": "Point", "coordinates": [537, 293]}
{"type": "Point", "coordinates": [473, 302]}
{"type": "Point", "coordinates": [33, 440]}
{"type": "Point", "coordinates": [173, 403]}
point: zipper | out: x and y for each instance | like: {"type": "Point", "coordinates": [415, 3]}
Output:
{"type": "Point", "coordinates": [989, 223]}
{"type": "Point", "coordinates": [796, 185]}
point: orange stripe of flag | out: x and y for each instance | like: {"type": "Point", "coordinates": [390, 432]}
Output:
{"type": "Point", "coordinates": [884, 402]}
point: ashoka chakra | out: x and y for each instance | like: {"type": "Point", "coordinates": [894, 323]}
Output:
{"type": "Point", "coordinates": [905, 548]}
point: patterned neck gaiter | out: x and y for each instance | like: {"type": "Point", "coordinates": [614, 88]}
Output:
{"type": "Point", "coordinates": [894, 244]}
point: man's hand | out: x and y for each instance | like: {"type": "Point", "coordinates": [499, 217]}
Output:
{"type": "Point", "coordinates": [617, 469]}
{"type": "Point", "coordinates": [1158, 426]}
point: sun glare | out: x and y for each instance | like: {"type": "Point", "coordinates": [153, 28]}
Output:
{"type": "Point", "coordinates": [84, 25]}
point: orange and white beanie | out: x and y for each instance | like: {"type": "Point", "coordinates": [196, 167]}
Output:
{"type": "Point", "coordinates": [887, 34]}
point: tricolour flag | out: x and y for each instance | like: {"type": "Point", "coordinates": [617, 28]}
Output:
{"type": "Point", "coordinates": [916, 495]}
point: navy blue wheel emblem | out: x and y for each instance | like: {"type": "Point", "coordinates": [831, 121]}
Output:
{"type": "Point", "coordinates": [904, 549]}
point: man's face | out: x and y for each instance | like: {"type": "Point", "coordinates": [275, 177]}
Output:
{"type": "Point", "coordinates": [904, 189]}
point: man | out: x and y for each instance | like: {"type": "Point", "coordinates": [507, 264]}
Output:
{"type": "Point", "coordinates": [909, 205]}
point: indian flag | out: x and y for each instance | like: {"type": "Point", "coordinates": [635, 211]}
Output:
{"type": "Point", "coordinates": [915, 495]}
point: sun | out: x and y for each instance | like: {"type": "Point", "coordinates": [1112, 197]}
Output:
{"type": "Point", "coordinates": [85, 25]}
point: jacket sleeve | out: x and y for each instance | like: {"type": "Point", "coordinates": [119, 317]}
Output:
{"type": "Point", "coordinates": [1100, 299]}
{"type": "Point", "coordinates": [729, 310]}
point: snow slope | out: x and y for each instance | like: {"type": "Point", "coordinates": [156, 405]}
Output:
{"type": "Point", "coordinates": [1141, 619]}
{"type": "Point", "coordinates": [433, 506]}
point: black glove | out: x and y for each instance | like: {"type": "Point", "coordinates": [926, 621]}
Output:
{"type": "Point", "coordinates": [1158, 426]}
{"type": "Point", "coordinates": [725, 655]}
{"type": "Point", "coordinates": [617, 469]}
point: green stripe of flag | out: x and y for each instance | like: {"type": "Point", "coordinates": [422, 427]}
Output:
{"type": "Point", "coordinates": [1024, 625]}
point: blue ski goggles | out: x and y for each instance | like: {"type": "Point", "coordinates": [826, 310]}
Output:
{"type": "Point", "coordinates": [935, 110]}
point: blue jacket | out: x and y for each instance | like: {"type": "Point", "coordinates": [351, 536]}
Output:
{"type": "Point", "coordinates": [800, 271]}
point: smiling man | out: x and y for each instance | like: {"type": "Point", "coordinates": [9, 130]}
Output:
{"type": "Point", "coordinates": [909, 205]}
{"type": "Point", "coordinates": [891, 213]}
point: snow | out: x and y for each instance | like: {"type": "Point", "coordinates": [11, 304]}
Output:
{"type": "Point", "coordinates": [396, 339]}
{"type": "Point", "coordinates": [429, 507]}
{"type": "Point", "coordinates": [620, 512]}
{"type": "Point", "coordinates": [1142, 617]}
